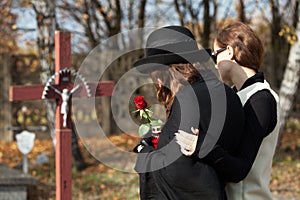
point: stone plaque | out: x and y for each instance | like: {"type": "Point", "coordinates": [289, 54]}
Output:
{"type": "Point", "coordinates": [25, 141]}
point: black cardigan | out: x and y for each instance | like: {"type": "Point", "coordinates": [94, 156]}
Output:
{"type": "Point", "coordinates": [260, 120]}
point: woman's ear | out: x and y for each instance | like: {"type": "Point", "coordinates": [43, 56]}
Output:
{"type": "Point", "coordinates": [230, 52]}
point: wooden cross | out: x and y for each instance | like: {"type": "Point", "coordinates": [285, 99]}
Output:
{"type": "Point", "coordinates": [63, 155]}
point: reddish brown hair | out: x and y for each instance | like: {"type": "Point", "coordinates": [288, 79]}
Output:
{"type": "Point", "coordinates": [247, 47]}
{"type": "Point", "coordinates": [173, 78]}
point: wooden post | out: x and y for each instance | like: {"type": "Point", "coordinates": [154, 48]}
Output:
{"type": "Point", "coordinates": [63, 134]}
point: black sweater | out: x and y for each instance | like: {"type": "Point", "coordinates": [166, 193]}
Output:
{"type": "Point", "coordinates": [260, 120]}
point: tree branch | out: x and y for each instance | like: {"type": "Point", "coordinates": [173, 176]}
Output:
{"type": "Point", "coordinates": [141, 15]}
{"type": "Point", "coordinates": [179, 13]}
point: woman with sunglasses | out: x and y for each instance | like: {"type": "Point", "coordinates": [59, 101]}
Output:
{"type": "Point", "coordinates": [239, 55]}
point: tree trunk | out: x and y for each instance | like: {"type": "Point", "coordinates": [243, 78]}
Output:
{"type": "Point", "coordinates": [142, 13]}
{"type": "Point", "coordinates": [207, 24]}
{"type": "Point", "coordinates": [6, 134]}
{"type": "Point", "coordinates": [78, 159]}
{"type": "Point", "coordinates": [241, 11]}
{"type": "Point", "coordinates": [279, 47]}
{"type": "Point", "coordinates": [179, 13]}
{"type": "Point", "coordinates": [296, 14]}
{"type": "Point", "coordinates": [289, 84]}
{"type": "Point", "coordinates": [45, 16]}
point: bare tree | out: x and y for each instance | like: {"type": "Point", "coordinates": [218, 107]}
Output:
{"type": "Point", "coordinates": [207, 24]}
{"type": "Point", "coordinates": [279, 46]}
{"type": "Point", "coordinates": [290, 82]}
{"type": "Point", "coordinates": [46, 25]}
{"type": "Point", "coordinates": [189, 14]}
{"type": "Point", "coordinates": [181, 12]}
{"type": "Point", "coordinates": [142, 14]}
{"type": "Point", "coordinates": [240, 8]}
{"type": "Point", "coordinates": [296, 14]}
{"type": "Point", "coordinates": [101, 19]}
{"type": "Point", "coordinates": [7, 48]}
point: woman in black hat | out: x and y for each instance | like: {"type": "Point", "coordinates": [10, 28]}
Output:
{"type": "Point", "coordinates": [193, 97]}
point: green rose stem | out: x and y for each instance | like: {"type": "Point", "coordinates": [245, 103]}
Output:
{"type": "Point", "coordinates": [148, 117]}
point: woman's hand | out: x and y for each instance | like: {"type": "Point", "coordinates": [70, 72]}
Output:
{"type": "Point", "coordinates": [144, 142]}
{"type": "Point", "coordinates": [187, 141]}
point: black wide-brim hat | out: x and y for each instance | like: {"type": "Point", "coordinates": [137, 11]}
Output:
{"type": "Point", "coordinates": [170, 45]}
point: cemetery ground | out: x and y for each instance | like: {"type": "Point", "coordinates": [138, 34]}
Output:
{"type": "Point", "coordinates": [98, 181]}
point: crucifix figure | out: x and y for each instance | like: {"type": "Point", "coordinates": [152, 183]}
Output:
{"type": "Point", "coordinates": [61, 88]}
{"type": "Point", "coordinates": [65, 96]}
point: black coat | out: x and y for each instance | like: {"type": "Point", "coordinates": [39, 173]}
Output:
{"type": "Point", "coordinates": [167, 174]}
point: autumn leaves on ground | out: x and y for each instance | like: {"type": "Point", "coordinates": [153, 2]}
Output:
{"type": "Point", "coordinates": [101, 182]}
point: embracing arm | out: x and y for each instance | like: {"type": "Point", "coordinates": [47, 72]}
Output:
{"type": "Point", "coordinates": [260, 113]}
{"type": "Point", "coordinates": [261, 119]}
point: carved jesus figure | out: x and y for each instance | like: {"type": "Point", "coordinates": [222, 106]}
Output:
{"type": "Point", "coordinates": [65, 96]}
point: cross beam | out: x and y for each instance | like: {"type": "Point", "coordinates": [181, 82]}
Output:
{"type": "Point", "coordinates": [34, 92]}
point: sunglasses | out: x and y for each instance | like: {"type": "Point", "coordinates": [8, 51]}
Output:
{"type": "Point", "coordinates": [214, 54]}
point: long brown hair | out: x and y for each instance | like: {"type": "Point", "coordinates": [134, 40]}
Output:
{"type": "Point", "coordinates": [248, 48]}
{"type": "Point", "coordinates": [172, 79]}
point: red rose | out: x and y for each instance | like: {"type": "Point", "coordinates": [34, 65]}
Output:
{"type": "Point", "coordinates": [140, 103]}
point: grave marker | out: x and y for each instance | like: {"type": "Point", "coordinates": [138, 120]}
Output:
{"type": "Point", "coordinates": [25, 142]}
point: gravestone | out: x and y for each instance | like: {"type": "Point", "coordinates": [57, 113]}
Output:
{"type": "Point", "coordinates": [25, 142]}
{"type": "Point", "coordinates": [14, 185]}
